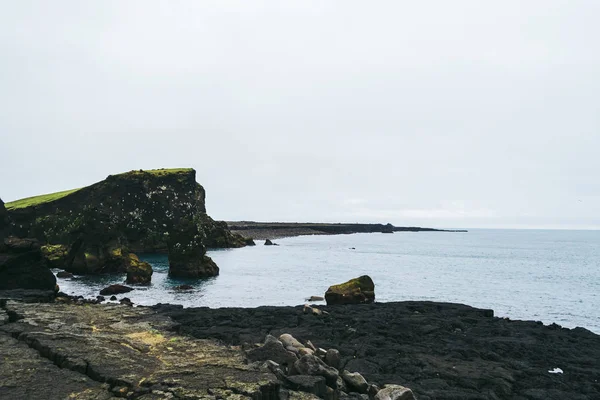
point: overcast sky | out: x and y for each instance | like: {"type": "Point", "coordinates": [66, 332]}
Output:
{"type": "Point", "coordinates": [431, 113]}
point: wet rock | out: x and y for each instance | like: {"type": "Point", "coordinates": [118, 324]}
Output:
{"type": "Point", "coordinates": [309, 384]}
{"type": "Point", "coordinates": [100, 299]}
{"type": "Point", "coordinates": [183, 288]}
{"type": "Point", "coordinates": [113, 298]}
{"type": "Point", "coordinates": [333, 358]}
{"type": "Point", "coordinates": [312, 365]}
{"type": "Point", "coordinates": [272, 350]}
{"type": "Point", "coordinates": [64, 274]}
{"type": "Point", "coordinates": [355, 291]}
{"type": "Point", "coordinates": [187, 257]}
{"type": "Point", "coordinates": [56, 255]}
{"type": "Point", "coordinates": [22, 266]}
{"type": "Point", "coordinates": [126, 301]}
{"type": "Point", "coordinates": [138, 272]}
{"type": "Point", "coordinates": [355, 381]}
{"type": "Point", "coordinates": [268, 242]}
{"type": "Point", "coordinates": [115, 289]}
{"type": "Point", "coordinates": [315, 298]}
{"type": "Point", "coordinates": [395, 392]}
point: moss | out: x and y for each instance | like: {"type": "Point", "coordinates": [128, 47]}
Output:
{"type": "Point", "coordinates": [37, 200]}
{"type": "Point", "coordinates": [156, 172]}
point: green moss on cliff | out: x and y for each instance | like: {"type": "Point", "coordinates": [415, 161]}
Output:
{"type": "Point", "coordinates": [36, 200]}
{"type": "Point", "coordinates": [157, 172]}
{"type": "Point", "coordinates": [50, 197]}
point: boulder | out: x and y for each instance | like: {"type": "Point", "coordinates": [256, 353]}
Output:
{"type": "Point", "coordinates": [268, 242]}
{"type": "Point", "coordinates": [187, 257]}
{"type": "Point", "coordinates": [313, 365]}
{"type": "Point", "coordinates": [355, 381]}
{"type": "Point", "coordinates": [395, 392]}
{"type": "Point", "coordinates": [25, 270]}
{"type": "Point", "coordinates": [309, 384]}
{"type": "Point", "coordinates": [56, 255]}
{"type": "Point", "coordinates": [288, 340]}
{"type": "Point", "coordinates": [355, 291]}
{"type": "Point", "coordinates": [272, 350]}
{"type": "Point", "coordinates": [333, 358]}
{"type": "Point", "coordinates": [138, 272]}
{"type": "Point", "coordinates": [64, 274]}
{"type": "Point", "coordinates": [315, 298]}
{"type": "Point", "coordinates": [115, 289]}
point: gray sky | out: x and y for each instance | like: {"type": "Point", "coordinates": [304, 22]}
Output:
{"type": "Point", "coordinates": [432, 113]}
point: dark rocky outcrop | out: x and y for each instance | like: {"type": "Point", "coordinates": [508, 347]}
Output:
{"type": "Point", "coordinates": [441, 351]}
{"type": "Point", "coordinates": [355, 291]}
{"type": "Point", "coordinates": [56, 255]}
{"type": "Point", "coordinates": [22, 266]}
{"type": "Point", "coordinates": [138, 272]}
{"type": "Point", "coordinates": [106, 352]}
{"type": "Point", "coordinates": [186, 253]}
{"type": "Point", "coordinates": [4, 224]}
{"type": "Point", "coordinates": [138, 211]}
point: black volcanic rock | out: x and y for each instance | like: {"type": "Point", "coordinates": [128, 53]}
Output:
{"type": "Point", "coordinates": [3, 222]}
{"type": "Point", "coordinates": [22, 266]}
{"type": "Point", "coordinates": [441, 351]}
{"type": "Point", "coordinates": [138, 211]}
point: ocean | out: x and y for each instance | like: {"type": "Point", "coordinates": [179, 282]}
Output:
{"type": "Point", "coordinates": [551, 276]}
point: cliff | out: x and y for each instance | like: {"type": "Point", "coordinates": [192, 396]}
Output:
{"type": "Point", "coordinates": [140, 211]}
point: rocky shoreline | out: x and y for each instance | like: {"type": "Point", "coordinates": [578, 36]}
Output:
{"type": "Point", "coordinates": [439, 350]}
{"type": "Point", "coordinates": [278, 230]}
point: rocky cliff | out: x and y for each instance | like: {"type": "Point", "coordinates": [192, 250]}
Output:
{"type": "Point", "coordinates": [140, 211]}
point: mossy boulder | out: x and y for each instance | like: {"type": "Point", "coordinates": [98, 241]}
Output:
{"type": "Point", "coordinates": [56, 255]}
{"type": "Point", "coordinates": [138, 272]}
{"type": "Point", "coordinates": [355, 291]}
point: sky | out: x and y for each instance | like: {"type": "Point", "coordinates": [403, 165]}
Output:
{"type": "Point", "coordinates": [459, 114]}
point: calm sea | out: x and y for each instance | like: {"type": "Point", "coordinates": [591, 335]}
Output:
{"type": "Point", "coordinates": [545, 275]}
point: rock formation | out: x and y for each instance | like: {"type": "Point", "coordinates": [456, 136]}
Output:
{"type": "Point", "coordinates": [22, 266]}
{"type": "Point", "coordinates": [355, 291]}
{"type": "Point", "coordinates": [137, 211]}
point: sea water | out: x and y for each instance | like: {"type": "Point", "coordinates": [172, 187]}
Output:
{"type": "Point", "coordinates": [543, 275]}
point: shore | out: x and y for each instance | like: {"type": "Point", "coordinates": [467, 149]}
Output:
{"type": "Point", "coordinates": [439, 350]}
{"type": "Point", "coordinates": [278, 230]}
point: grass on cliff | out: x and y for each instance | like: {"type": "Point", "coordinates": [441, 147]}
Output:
{"type": "Point", "coordinates": [37, 200]}
{"type": "Point", "coordinates": [157, 172]}
{"type": "Point", "coordinates": [47, 198]}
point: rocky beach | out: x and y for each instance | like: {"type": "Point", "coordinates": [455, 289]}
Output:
{"type": "Point", "coordinates": [58, 346]}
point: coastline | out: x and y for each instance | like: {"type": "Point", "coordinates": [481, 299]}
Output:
{"type": "Point", "coordinates": [278, 230]}
{"type": "Point", "coordinates": [439, 350]}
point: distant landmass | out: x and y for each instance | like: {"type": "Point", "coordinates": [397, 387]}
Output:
{"type": "Point", "coordinates": [274, 230]}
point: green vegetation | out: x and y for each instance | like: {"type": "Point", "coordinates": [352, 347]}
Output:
{"type": "Point", "coordinates": [47, 198]}
{"type": "Point", "coordinates": [37, 200]}
{"type": "Point", "coordinates": [157, 172]}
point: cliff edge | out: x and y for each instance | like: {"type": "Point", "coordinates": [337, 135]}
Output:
{"type": "Point", "coordinates": [159, 210]}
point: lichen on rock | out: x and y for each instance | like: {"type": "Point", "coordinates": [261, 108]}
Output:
{"type": "Point", "coordinates": [355, 291]}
